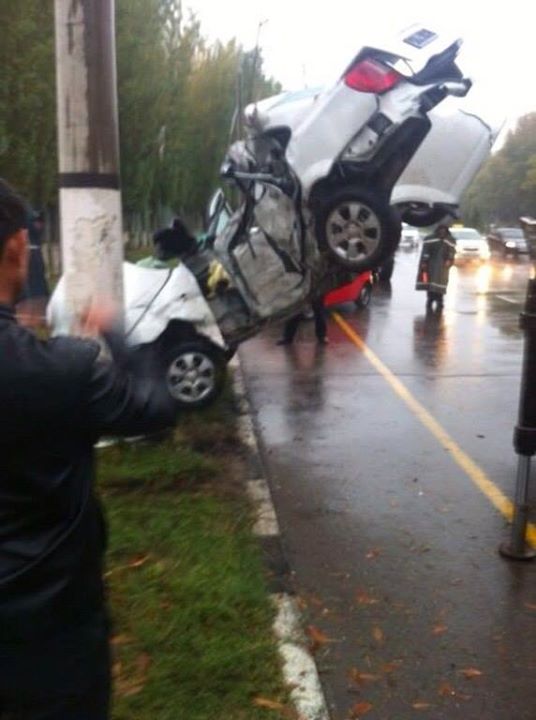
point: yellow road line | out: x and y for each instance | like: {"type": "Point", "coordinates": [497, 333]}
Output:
{"type": "Point", "coordinates": [471, 469]}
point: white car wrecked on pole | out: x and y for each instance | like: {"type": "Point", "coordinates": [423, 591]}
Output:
{"type": "Point", "coordinates": [317, 179]}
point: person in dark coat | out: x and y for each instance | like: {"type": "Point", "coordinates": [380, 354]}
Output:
{"type": "Point", "coordinates": [292, 324]}
{"type": "Point", "coordinates": [437, 257]}
{"type": "Point", "coordinates": [31, 305]}
{"type": "Point", "coordinates": [57, 397]}
{"type": "Point", "coordinates": [37, 285]}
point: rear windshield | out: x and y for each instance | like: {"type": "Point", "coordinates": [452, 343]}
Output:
{"type": "Point", "coordinates": [465, 234]}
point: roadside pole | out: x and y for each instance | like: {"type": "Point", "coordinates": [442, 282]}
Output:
{"type": "Point", "coordinates": [88, 139]}
{"type": "Point", "coordinates": [525, 431]}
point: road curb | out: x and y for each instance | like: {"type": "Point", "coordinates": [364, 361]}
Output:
{"type": "Point", "coordinates": [299, 667]}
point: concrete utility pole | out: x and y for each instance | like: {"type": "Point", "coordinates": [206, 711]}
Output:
{"type": "Point", "coordinates": [90, 197]}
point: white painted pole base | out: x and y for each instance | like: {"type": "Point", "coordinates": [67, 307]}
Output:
{"type": "Point", "coordinates": [92, 247]}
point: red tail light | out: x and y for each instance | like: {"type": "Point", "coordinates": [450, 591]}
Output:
{"type": "Point", "coordinates": [371, 76]}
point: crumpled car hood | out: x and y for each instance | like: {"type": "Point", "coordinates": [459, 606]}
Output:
{"type": "Point", "coordinates": [152, 298]}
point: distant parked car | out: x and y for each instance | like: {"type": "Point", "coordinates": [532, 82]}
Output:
{"type": "Point", "coordinates": [528, 225]}
{"type": "Point", "coordinates": [470, 245]}
{"type": "Point", "coordinates": [508, 241]}
{"type": "Point", "coordinates": [409, 237]}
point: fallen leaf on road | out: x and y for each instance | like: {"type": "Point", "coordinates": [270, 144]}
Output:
{"type": "Point", "coordinates": [390, 666]}
{"type": "Point", "coordinates": [423, 549]}
{"type": "Point", "coordinates": [318, 638]}
{"type": "Point", "coordinates": [470, 673]}
{"type": "Point", "coordinates": [363, 598]}
{"type": "Point", "coordinates": [373, 553]}
{"type": "Point", "coordinates": [530, 606]}
{"type": "Point", "coordinates": [359, 710]}
{"type": "Point", "coordinates": [377, 634]}
{"type": "Point", "coordinates": [421, 706]}
{"type": "Point", "coordinates": [446, 690]}
{"type": "Point", "coordinates": [439, 629]}
{"type": "Point", "coordinates": [463, 696]}
{"type": "Point", "coordinates": [360, 678]}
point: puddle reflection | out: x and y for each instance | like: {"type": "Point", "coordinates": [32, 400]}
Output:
{"type": "Point", "coordinates": [430, 338]}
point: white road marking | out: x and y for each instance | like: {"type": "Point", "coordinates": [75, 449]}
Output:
{"type": "Point", "coordinates": [246, 432]}
{"type": "Point", "coordinates": [299, 668]}
{"type": "Point", "coordinates": [266, 524]}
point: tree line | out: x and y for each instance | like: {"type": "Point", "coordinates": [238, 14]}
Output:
{"type": "Point", "coordinates": [505, 187]}
{"type": "Point", "coordinates": [177, 95]}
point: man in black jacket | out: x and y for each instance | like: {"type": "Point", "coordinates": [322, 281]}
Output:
{"type": "Point", "coordinates": [56, 398]}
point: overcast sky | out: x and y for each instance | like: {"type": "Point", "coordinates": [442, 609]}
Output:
{"type": "Point", "coordinates": [309, 43]}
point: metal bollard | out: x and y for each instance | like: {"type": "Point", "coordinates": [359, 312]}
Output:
{"type": "Point", "coordinates": [524, 434]}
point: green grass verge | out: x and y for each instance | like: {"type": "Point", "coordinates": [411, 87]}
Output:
{"type": "Point", "coordinates": [192, 620]}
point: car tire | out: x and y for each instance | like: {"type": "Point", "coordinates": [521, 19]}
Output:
{"type": "Point", "coordinates": [363, 299]}
{"type": "Point", "coordinates": [194, 371]}
{"type": "Point", "coordinates": [357, 228]}
{"type": "Point", "coordinates": [423, 217]}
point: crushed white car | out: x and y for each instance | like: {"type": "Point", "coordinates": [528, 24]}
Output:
{"type": "Point", "coordinates": [433, 184]}
{"type": "Point", "coordinates": [317, 176]}
{"type": "Point", "coordinates": [348, 144]}
{"type": "Point", "coordinates": [167, 310]}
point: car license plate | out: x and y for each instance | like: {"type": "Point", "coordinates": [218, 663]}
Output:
{"type": "Point", "coordinates": [421, 38]}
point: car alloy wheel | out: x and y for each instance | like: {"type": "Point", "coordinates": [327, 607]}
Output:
{"type": "Point", "coordinates": [356, 227]}
{"type": "Point", "coordinates": [194, 372]}
{"type": "Point", "coordinates": [353, 231]}
{"type": "Point", "coordinates": [191, 377]}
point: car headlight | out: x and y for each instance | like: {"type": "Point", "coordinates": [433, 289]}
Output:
{"type": "Point", "coordinates": [510, 244]}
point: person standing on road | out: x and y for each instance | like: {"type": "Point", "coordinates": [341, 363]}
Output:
{"type": "Point", "coordinates": [437, 257]}
{"type": "Point", "coordinates": [56, 398]}
{"type": "Point", "coordinates": [319, 314]}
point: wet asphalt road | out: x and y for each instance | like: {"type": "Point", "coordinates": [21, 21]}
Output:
{"type": "Point", "coordinates": [393, 547]}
